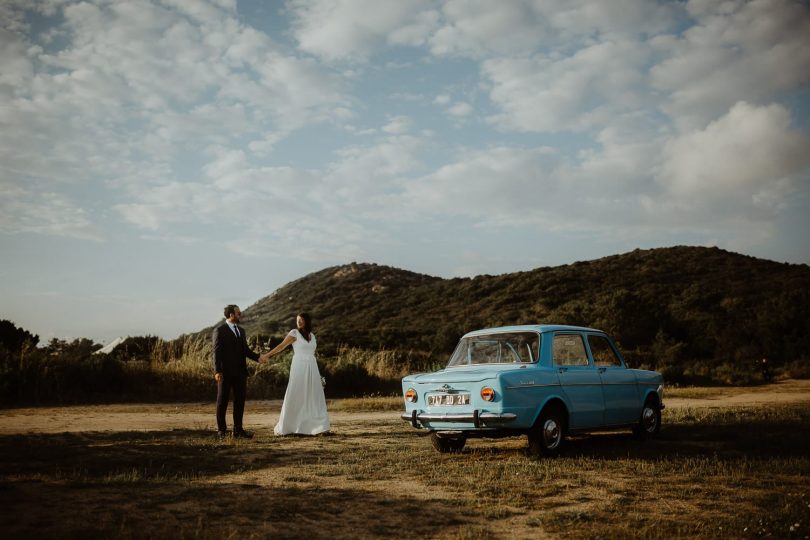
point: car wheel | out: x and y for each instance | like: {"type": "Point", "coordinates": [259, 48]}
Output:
{"type": "Point", "coordinates": [447, 445]}
{"type": "Point", "coordinates": [649, 423]}
{"type": "Point", "coordinates": [547, 436]}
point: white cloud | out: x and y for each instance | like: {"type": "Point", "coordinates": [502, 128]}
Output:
{"type": "Point", "coordinates": [751, 51]}
{"type": "Point", "coordinates": [728, 180]}
{"type": "Point", "coordinates": [499, 185]}
{"type": "Point", "coordinates": [480, 27]}
{"type": "Point", "coordinates": [193, 137]}
{"type": "Point", "coordinates": [17, 69]}
{"type": "Point", "coordinates": [460, 108]}
{"type": "Point", "coordinates": [128, 88]}
{"type": "Point", "coordinates": [572, 93]}
{"type": "Point", "coordinates": [483, 29]}
{"type": "Point", "coordinates": [744, 164]}
{"type": "Point", "coordinates": [353, 29]}
{"type": "Point", "coordinates": [365, 180]}
{"type": "Point", "coordinates": [282, 210]}
{"type": "Point", "coordinates": [398, 125]}
{"type": "Point", "coordinates": [23, 211]}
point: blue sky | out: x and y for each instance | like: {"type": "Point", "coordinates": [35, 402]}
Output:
{"type": "Point", "coordinates": [159, 159]}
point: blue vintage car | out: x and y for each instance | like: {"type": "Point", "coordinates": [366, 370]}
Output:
{"type": "Point", "coordinates": [540, 380]}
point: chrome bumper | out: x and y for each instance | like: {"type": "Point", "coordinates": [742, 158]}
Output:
{"type": "Point", "coordinates": [476, 418]}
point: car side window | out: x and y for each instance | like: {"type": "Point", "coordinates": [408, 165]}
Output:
{"type": "Point", "coordinates": [603, 353]}
{"type": "Point", "coordinates": [569, 350]}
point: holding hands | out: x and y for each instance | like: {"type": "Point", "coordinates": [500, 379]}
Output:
{"type": "Point", "coordinates": [277, 349]}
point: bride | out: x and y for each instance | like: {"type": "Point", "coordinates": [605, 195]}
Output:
{"type": "Point", "coordinates": [304, 409]}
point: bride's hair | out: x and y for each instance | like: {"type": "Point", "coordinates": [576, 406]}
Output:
{"type": "Point", "coordinates": [307, 325]}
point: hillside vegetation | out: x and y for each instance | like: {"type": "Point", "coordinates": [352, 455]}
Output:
{"type": "Point", "coordinates": [686, 310]}
{"type": "Point", "coordinates": [699, 315]}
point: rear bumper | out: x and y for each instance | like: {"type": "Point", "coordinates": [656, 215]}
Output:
{"type": "Point", "coordinates": [476, 417]}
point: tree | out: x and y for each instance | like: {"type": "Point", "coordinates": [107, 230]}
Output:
{"type": "Point", "coordinates": [13, 338]}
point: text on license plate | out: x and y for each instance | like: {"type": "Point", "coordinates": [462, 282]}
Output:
{"type": "Point", "coordinates": [449, 399]}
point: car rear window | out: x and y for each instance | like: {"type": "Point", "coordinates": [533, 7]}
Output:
{"type": "Point", "coordinates": [499, 348]}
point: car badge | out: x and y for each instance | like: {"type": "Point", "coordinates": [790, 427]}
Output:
{"type": "Point", "coordinates": [444, 388]}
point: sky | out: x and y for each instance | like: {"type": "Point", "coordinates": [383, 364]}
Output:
{"type": "Point", "coordinates": [162, 158]}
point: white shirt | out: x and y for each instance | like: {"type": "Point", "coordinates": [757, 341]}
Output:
{"type": "Point", "coordinates": [233, 328]}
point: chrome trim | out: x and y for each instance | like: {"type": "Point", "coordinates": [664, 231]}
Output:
{"type": "Point", "coordinates": [532, 386]}
{"type": "Point", "coordinates": [473, 417]}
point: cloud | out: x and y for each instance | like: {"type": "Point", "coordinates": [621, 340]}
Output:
{"type": "Point", "coordinates": [482, 29]}
{"type": "Point", "coordinates": [478, 27]}
{"type": "Point", "coordinates": [460, 108]}
{"type": "Point", "coordinates": [750, 51]}
{"type": "Point", "coordinates": [307, 215]}
{"type": "Point", "coordinates": [353, 29]}
{"type": "Point", "coordinates": [728, 180]}
{"type": "Point", "coordinates": [129, 93]}
{"type": "Point", "coordinates": [745, 164]}
{"type": "Point", "coordinates": [17, 68]}
{"type": "Point", "coordinates": [397, 125]}
{"type": "Point", "coordinates": [499, 185]}
{"type": "Point", "coordinates": [23, 211]}
{"type": "Point", "coordinates": [544, 94]}
{"type": "Point", "coordinates": [673, 115]}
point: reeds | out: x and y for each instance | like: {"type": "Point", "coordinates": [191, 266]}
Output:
{"type": "Point", "coordinates": [182, 370]}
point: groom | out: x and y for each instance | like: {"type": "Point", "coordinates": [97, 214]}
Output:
{"type": "Point", "coordinates": [230, 350]}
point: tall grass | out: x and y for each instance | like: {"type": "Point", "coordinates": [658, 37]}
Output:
{"type": "Point", "coordinates": [151, 369]}
{"type": "Point", "coordinates": [182, 370]}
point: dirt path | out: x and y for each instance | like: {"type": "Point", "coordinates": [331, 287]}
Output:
{"type": "Point", "coordinates": [782, 392]}
{"type": "Point", "coordinates": [261, 415]}
{"type": "Point", "coordinates": [152, 417]}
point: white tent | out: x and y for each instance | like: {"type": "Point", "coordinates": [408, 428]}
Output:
{"type": "Point", "coordinates": [108, 348]}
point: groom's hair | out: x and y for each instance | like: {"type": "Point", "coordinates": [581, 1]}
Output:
{"type": "Point", "coordinates": [230, 309]}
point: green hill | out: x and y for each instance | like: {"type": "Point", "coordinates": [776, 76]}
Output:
{"type": "Point", "coordinates": [667, 307]}
{"type": "Point", "coordinates": [699, 315]}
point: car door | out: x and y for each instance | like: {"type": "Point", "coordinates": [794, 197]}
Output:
{"type": "Point", "coordinates": [619, 387]}
{"type": "Point", "coordinates": [579, 379]}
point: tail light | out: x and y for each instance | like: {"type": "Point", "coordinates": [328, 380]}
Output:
{"type": "Point", "coordinates": [487, 393]}
{"type": "Point", "coordinates": [410, 395]}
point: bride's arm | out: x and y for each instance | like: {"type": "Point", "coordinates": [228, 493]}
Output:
{"type": "Point", "coordinates": [280, 347]}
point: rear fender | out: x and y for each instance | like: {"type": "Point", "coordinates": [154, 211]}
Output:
{"type": "Point", "coordinates": [553, 401]}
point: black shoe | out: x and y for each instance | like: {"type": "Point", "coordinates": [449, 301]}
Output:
{"type": "Point", "coordinates": [242, 434]}
{"type": "Point", "coordinates": [222, 435]}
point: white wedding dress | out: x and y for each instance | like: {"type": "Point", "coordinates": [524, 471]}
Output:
{"type": "Point", "coordinates": [304, 407]}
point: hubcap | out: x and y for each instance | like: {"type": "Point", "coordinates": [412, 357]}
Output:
{"type": "Point", "coordinates": [551, 433]}
{"type": "Point", "coordinates": [649, 419]}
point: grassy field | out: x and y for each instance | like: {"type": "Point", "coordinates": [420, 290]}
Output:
{"type": "Point", "coordinates": [732, 472]}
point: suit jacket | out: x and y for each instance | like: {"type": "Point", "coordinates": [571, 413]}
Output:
{"type": "Point", "coordinates": [230, 352]}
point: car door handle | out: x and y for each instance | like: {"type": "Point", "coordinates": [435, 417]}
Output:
{"type": "Point", "coordinates": [602, 369]}
{"type": "Point", "coordinates": [563, 369]}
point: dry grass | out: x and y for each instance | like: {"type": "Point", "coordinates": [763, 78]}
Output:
{"type": "Point", "coordinates": [714, 473]}
{"type": "Point", "coordinates": [365, 404]}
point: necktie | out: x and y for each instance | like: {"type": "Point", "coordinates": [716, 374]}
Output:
{"type": "Point", "coordinates": [236, 330]}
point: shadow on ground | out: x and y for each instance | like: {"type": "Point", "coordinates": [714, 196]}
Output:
{"type": "Point", "coordinates": [752, 439]}
{"type": "Point", "coordinates": [179, 484]}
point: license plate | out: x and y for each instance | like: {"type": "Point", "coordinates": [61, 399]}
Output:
{"type": "Point", "coordinates": [448, 399]}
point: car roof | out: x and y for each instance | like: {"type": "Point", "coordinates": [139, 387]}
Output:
{"type": "Point", "coordinates": [542, 328]}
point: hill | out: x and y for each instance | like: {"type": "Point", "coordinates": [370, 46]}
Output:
{"type": "Point", "coordinates": [666, 307]}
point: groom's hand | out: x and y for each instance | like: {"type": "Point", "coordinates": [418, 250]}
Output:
{"type": "Point", "coordinates": [218, 376]}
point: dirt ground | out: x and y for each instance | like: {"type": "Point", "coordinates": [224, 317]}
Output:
{"type": "Point", "coordinates": [156, 471]}
{"type": "Point", "coordinates": [260, 415]}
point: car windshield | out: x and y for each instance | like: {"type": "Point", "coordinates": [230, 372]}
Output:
{"type": "Point", "coordinates": [499, 348]}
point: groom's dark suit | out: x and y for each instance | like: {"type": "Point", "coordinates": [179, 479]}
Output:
{"type": "Point", "coordinates": [230, 353]}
